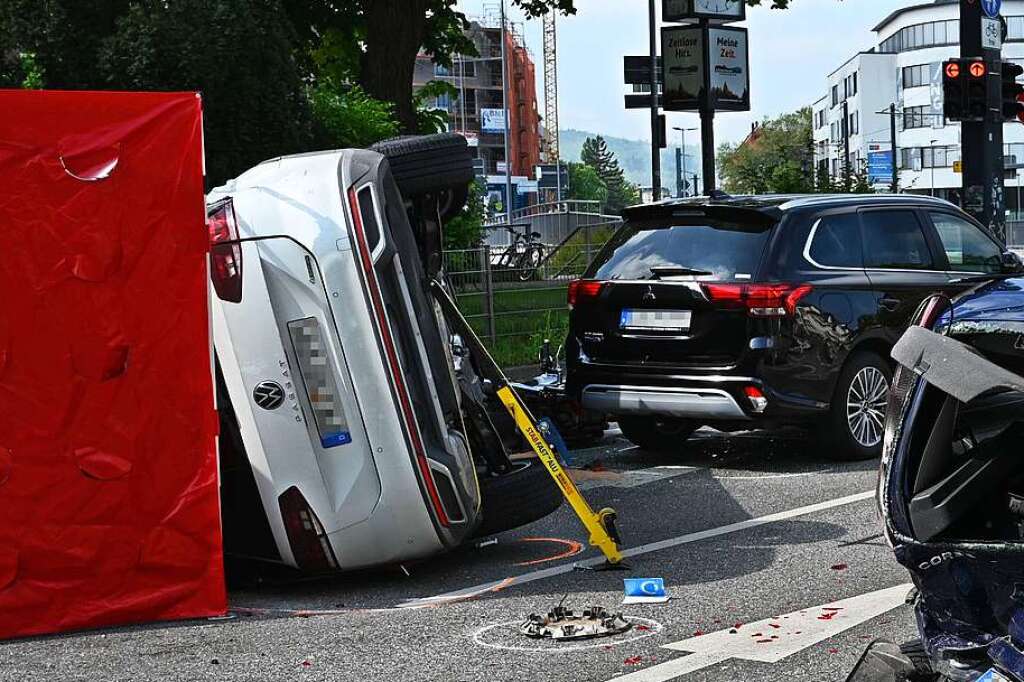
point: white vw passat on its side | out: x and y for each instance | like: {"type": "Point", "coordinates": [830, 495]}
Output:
{"type": "Point", "coordinates": [347, 439]}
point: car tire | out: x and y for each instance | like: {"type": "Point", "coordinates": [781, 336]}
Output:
{"type": "Point", "coordinates": [431, 164]}
{"type": "Point", "coordinates": [657, 434]}
{"type": "Point", "coordinates": [526, 494]}
{"type": "Point", "coordinates": [854, 432]}
{"type": "Point", "coordinates": [915, 651]}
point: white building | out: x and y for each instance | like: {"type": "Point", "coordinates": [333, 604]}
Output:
{"type": "Point", "coordinates": [904, 68]}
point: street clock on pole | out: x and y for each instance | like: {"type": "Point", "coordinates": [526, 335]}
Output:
{"type": "Point", "coordinates": [714, 10]}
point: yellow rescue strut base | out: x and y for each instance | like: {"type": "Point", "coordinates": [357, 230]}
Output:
{"type": "Point", "coordinates": [600, 525]}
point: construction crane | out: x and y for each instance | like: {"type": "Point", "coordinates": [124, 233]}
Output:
{"type": "Point", "coordinates": [550, 89]}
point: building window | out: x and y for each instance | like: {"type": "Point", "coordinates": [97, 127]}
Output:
{"type": "Point", "coordinates": [849, 86]}
{"type": "Point", "coordinates": [854, 123]}
{"type": "Point", "coordinates": [835, 134]}
{"type": "Point", "coordinates": [916, 117]}
{"type": "Point", "coordinates": [440, 70]}
{"type": "Point", "coordinates": [835, 95]}
{"type": "Point", "coordinates": [819, 119]}
{"type": "Point", "coordinates": [931, 34]}
{"type": "Point", "coordinates": [916, 76]}
{"type": "Point", "coordinates": [929, 157]}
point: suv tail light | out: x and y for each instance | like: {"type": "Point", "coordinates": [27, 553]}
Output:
{"type": "Point", "coordinates": [306, 535]}
{"type": "Point", "coordinates": [760, 300]}
{"type": "Point", "coordinates": [583, 290]}
{"type": "Point", "coordinates": [225, 251]}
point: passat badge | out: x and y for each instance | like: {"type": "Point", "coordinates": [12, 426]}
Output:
{"type": "Point", "coordinates": [268, 395]}
{"type": "Point", "coordinates": [645, 591]}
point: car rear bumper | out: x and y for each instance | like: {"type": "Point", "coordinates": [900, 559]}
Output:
{"type": "Point", "coordinates": [697, 403]}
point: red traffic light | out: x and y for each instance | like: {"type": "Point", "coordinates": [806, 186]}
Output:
{"type": "Point", "coordinates": [952, 70]}
{"type": "Point", "coordinates": [977, 69]}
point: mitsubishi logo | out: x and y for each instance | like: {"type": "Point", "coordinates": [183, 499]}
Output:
{"type": "Point", "coordinates": [649, 296]}
{"type": "Point", "coordinates": [268, 395]}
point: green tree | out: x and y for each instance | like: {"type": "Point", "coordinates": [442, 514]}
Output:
{"type": "Point", "coordinates": [776, 158]}
{"type": "Point", "coordinates": [585, 183]}
{"type": "Point", "coordinates": [464, 230]}
{"type": "Point", "coordinates": [595, 153]}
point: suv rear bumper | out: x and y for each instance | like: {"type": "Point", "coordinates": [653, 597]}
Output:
{"type": "Point", "coordinates": [699, 403]}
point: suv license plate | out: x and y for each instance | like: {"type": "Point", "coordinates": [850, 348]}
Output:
{"type": "Point", "coordinates": [660, 320]}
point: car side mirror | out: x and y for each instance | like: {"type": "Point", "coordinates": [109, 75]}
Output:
{"type": "Point", "coordinates": [1010, 262]}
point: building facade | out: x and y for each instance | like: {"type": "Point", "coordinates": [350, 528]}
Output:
{"type": "Point", "coordinates": [476, 110]}
{"type": "Point", "coordinates": [852, 121]}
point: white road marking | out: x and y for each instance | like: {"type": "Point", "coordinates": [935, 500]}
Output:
{"type": "Point", "coordinates": [653, 627]}
{"type": "Point", "coordinates": [761, 477]}
{"type": "Point", "coordinates": [637, 551]}
{"type": "Point", "coordinates": [773, 639]}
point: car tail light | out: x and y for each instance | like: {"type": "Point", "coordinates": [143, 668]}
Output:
{"type": "Point", "coordinates": [394, 367]}
{"type": "Point", "coordinates": [930, 310]}
{"type": "Point", "coordinates": [760, 300]}
{"type": "Point", "coordinates": [583, 290]}
{"type": "Point", "coordinates": [225, 252]}
{"type": "Point", "coordinates": [757, 399]}
{"type": "Point", "coordinates": [321, 386]}
{"type": "Point", "coordinates": [306, 535]}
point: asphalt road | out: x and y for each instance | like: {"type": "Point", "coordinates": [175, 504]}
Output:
{"type": "Point", "coordinates": [758, 537]}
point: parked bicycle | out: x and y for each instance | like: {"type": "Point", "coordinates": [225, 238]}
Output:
{"type": "Point", "coordinates": [524, 254]}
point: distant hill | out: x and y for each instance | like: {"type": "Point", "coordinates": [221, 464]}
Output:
{"type": "Point", "coordinates": [634, 155]}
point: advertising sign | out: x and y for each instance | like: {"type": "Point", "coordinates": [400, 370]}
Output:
{"type": "Point", "coordinates": [683, 59]}
{"type": "Point", "coordinates": [729, 69]}
{"type": "Point", "coordinates": [492, 120]}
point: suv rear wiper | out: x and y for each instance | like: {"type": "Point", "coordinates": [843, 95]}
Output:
{"type": "Point", "coordinates": [659, 271]}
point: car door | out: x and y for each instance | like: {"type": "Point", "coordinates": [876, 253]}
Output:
{"type": "Point", "coordinates": [901, 264]}
{"type": "Point", "coordinates": [967, 249]}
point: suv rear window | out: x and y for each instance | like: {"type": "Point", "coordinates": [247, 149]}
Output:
{"type": "Point", "coordinates": [724, 250]}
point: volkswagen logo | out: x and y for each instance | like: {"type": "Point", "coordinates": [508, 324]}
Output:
{"type": "Point", "coordinates": [268, 395]}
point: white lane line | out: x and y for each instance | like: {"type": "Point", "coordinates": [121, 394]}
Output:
{"type": "Point", "coordinates": [632, 478]}
{"type": "Point", "coordinates": [773, 639]}
{"type": "Point", "coordinates": [637, 551]}
{"type": "Point", "coordinates": [762, 477]}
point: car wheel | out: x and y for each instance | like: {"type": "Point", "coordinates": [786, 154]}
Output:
{"type": "Point", "coordinates": [857, 420]}
{"type": "Point", "coordinates": [522, 496]}
{"type": "Point", "coordinates": [431, 164]}
{"type": "Point", "coordinates": [658, 434]}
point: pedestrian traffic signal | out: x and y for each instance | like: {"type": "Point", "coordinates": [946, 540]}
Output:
{"type": "Point", "coordinates": [1013, 92]}
{"type": "Point", "coordinates": [954, 94]}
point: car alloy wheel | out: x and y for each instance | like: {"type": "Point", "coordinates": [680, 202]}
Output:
{"type": "Point", "coordinates": [865, 406]}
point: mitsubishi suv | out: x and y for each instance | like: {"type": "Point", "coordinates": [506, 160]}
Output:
{"type": "Point", "coordinates": [747, 312]}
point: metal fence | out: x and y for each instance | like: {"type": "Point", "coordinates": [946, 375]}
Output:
{"type": "Point", "coordinates": [514, 293]}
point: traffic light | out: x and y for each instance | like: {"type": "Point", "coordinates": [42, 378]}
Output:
{"type": "Point", "coordinates": [977, 89]}
{"type": "Point", "coordinates": [954, 94]}
{"type": "Point", "coordinates": [1013, 92]}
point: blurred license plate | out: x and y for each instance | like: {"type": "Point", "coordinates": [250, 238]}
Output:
{"type": "Point", "coordinates": [662, 320]}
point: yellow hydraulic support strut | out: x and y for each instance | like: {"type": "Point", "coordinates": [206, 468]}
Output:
{"type": "Point", "coordinates": [601, 525]}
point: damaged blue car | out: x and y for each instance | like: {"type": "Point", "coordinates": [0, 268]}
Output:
{"type": "Point", "coordinates": [951, 488]}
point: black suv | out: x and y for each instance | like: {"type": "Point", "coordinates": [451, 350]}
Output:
{"type": "Point", "coordinates": [743, 312]}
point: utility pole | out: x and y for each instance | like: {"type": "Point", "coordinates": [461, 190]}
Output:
{"type": "Point", "coordinates": [655, 122]}
{"type": "Point", "coordinates": [506, 114]}
{"type": "Point", "coordinates": [892, 139]}
{"type": "Point", "coordinates": [983, 166]}
{"type": "Point", "coordinates": [679, 173]}
{"type": "Point", "coordinates": [682, 140]}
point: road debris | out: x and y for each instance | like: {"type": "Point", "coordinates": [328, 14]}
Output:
{"type": "Point", "coordinates": [562, 624]}
{"type": "Point", "coordinates": [644, 591]}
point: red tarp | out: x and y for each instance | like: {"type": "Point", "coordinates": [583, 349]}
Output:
{"type": "Point", "coordinates": [108, 467]}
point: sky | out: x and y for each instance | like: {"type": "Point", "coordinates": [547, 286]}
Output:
{"type": "Point", "coordinates": [791, 53]}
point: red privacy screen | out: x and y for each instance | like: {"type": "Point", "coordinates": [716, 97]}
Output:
{"type": "Point", "coordinates": [108, 467]}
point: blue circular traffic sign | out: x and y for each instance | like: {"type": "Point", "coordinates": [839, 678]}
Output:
{"type": "Point", "coordinates": [992, 7]}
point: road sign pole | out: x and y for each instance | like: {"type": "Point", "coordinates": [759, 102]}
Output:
{"type": "Point", "coordinates": [983, 140]}
{"type": "Point", "coordinates": [655, 121]}
{"type": "Point", "coordinates": [892, 141]}
{"type": "Point", "coordinates": [707, 117]}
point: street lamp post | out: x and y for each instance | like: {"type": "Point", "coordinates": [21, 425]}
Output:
{"type": "Point", "coordinates": [682, 139]}
{"type": "Point", "coordinates": [931, 144]}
